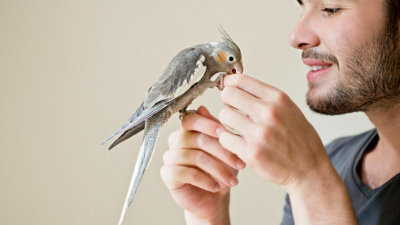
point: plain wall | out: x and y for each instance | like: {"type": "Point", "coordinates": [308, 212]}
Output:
{"type": "Point", "coordinates": [73, 71]}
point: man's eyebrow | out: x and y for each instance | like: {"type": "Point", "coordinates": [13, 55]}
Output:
{"type": "Point", "coordinates": [301, 1]}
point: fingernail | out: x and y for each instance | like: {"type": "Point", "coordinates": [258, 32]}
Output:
{"type": "Point", "coordinates": [234, 181]}
{"type": "Point", "coordinates": [220, 130]}
{"type": "Point", "coordinates": [217, 187]}
{"type": "Point", "coordinates": [240, 164]}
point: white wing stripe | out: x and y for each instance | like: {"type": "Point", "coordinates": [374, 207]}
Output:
{"type": "Point", "coordinates": [215, 76]}
{"type": "Point", "coordinates": [194, 78]}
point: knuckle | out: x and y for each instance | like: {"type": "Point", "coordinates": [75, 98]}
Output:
{"type": "Point", "coordinates": [264, 110]}
{"type": "Point", "coordinates": [230, 156]}
{"type": "Point", "coordinates": [204, 126]}
{"type": "Point", "coordinates": [270, 114]}
{"type": "Point", "coordinates": [202, 141]}
{"type": "Point", "coordinates": [165, 173]}
{"type": "Point", "coordinates": [194, 175]}
{"type": "Point", "coordinates": [226, 174]}
{"type": "Point", "coordinates": [240, 79]}
{"type": "Point", "coordinates": [173, 138]}
{"type": "Point", "coordinates": [255, 153]}
{"type": "Point", "coordinates": [224, 140]}
{"type": "Point", "coordinates": [200, 158]}
{"type": "Point", "coordinates": [273, 114]}
{"type": "Point", "coordinates": [262, 132]}
{"type": "Point", "coordinates": [223, 114]}
{"type": "Point", "coordinates": [166, 157]}
{"type": "Point", "coordinates": [281, 97]}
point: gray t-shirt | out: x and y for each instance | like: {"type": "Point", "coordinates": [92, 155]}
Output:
{"type": "Point", "coordinates": [377, 206]}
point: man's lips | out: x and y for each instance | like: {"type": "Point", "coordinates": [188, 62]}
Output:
{"type": "Point", "coordinates": [316, 62]}
{"type": "Point", "coordinates": [317, 68]}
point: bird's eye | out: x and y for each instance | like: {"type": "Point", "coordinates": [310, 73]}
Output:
{"type": "Point", "coordinates": [231, 58]}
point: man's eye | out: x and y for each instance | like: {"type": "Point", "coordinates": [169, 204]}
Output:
{"type": "Point", "coordinates": [331, 11]}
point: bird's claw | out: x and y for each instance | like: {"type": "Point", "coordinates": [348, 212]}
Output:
{"type": "Point", "coordinates": [181, 115]}
{"type": "Point", "coordinates": [219, 82]}
{"type": "Point", "coordinates": [185, 112]}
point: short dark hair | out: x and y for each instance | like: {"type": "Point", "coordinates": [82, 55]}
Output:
{"type": "Point", "coordinates": [392, 9]}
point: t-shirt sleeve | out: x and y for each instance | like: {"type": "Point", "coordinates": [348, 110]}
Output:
{"type": "Point", "coordinates": [287, 213]}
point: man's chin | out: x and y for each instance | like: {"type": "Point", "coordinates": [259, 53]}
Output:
{"type": "Point", "coordinates": [325, 104]}
{"type": "Point", "coordinates": [321, 98]}
{"type": "Point", "coordinates": [317, 94]}
{"type": "Point", "coordinates": [314, 103]}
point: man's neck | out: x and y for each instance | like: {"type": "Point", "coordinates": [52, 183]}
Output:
{"type": "Point", "coordinates": [381, 162]}
{"type": "Point", "coordinates": [387, 122]}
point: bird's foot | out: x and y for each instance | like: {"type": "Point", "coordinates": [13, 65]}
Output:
{"type": "Point", "coordinates": [219, 82]}
{"type": "Point", "coordinates": [184, 112]}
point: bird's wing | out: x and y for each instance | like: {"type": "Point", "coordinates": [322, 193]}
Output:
{"type": "Point", "coordinates": [185, 70]}
{"type": "Point", "coordinates": [127, 134]}
{"type": "Point", "coordinates": [151, 132]}
{"type": "Point", "coordinates": [135, 123]}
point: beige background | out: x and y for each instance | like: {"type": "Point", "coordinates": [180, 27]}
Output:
{"type": "Point", "coordinates": [73, 71]}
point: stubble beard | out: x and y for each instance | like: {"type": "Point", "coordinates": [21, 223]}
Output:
{"type": "Point", "coordinates": [370, 77]}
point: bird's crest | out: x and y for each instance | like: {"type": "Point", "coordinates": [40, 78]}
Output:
{"type": "Point", "coordinates": [227, 39]}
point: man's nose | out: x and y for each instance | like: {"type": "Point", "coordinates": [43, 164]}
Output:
{"type": "Point", "coordinates": [304, 36]}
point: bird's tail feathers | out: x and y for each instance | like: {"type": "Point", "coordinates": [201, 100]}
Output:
{"type": "Point", "coordinates": [151, 132]}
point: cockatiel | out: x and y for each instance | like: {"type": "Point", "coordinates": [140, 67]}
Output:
{"type": "Point", "coordinates": [187, 76]}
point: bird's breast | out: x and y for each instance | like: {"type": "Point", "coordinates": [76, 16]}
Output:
{"type": "Point", "coordinates": [187, 98]}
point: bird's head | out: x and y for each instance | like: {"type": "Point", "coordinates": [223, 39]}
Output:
{"type": "Point", "coordinates": [228, 55]}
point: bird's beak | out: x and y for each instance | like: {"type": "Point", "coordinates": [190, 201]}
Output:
{"type": "Point", "coordinates": [238, 68]}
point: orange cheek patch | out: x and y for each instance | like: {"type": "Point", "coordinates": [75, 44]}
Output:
{"type": "Point", "coordinates": [221, 56]}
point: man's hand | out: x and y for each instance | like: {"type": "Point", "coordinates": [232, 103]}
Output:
{"type": "Point", "coordinates": [198, 171]}
{"type": "Point", "coordinates": [277, 141]}
{"type": "Point", "coordinates": [282, 147]}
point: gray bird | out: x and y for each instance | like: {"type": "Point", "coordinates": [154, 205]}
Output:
{"type": "Point", "coordinates": [187, 76]}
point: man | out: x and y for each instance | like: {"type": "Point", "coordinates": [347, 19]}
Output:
{"type": "Point", "coordinates": [352, 47]}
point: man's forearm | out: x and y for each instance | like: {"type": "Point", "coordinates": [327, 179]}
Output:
{"type": "Point", "coordinates": [322, 200]}
{"type": "Point", "coordinates": [220, 217]}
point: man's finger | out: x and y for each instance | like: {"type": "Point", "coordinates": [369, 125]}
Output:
{"type": "Point", "coordinates": [177, 176]}
{"type": "Point", "coordinates": [236, 120]}
{"type": "Point", "coordinates": [196, 140]}
{"type": "Point", "coordinates": [234, 143]}
{"type": "Point", "coordinates": [204, 112]}
{"type": "Point", "coordinates": [241, 100]}
{"type": "Point", "coordinates": [202, 160]}
{"type": "Point", "coordinates": [250, 85]}
{"type": "Point", "coordinates": [199, 123]}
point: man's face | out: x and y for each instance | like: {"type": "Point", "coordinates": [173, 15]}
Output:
{"type": "Point", "coordinates": [353, 54]}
